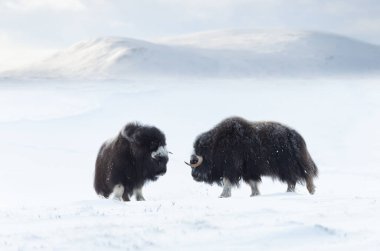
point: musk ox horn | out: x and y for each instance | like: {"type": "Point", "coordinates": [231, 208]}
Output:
{"type": "Point", "coordinates": [195, 161]}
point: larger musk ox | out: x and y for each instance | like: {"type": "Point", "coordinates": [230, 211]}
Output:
{"type": "Point", "coordinates": [238, 149]}
{"type": "Point", "coordinates": [138, 154]}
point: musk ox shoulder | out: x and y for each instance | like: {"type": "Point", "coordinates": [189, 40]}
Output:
{"type": "Point", "coordinates": [136, 155]}
{"type": "Point", "coordinates": [238, 149]}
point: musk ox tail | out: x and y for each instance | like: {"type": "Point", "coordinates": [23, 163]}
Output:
{"type": "Point", "coordinates": [100, 178]}
{"type": "Point", "coordinates": [313, 170]}
{"type": "Point", "coordinates": [305, 163]}
{"type": "Point", "coordinates": [312, 173]}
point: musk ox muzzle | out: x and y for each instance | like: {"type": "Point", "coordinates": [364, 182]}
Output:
{"type": "Point", "coordinates": [162, 158]}
{"type": "Point", "coordinates": [161, 167]}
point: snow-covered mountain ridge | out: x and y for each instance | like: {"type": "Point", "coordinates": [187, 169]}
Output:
{"type": "Point", "coordinates": [234, 53]}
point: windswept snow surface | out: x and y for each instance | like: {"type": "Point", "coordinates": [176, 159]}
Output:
{"type": "Point", "coordinates": [226, 54]}
{"type": "Point", "coordinates": [51, 132]}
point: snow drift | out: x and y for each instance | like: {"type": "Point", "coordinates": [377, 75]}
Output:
{"type": "Point", "coordinates": [234, 53]}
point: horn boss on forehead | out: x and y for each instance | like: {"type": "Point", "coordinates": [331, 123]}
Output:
{"type": "Point", "coordinates": [160, 152]}
{"type": "Point", "coordinates": [195, 161]}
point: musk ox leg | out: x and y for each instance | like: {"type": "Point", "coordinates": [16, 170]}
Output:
{"type": "Point", "coordinates": [226, 188]}
{"type": "Point", "coordinates": [254, 187]}
{"type": "Point", "coordinates": [126, 196]}
{"type": "Point", "coordinates": [310, 185]}
{"type": "Point", "coordinates": [118, 192]}
{"type": "Point", "coordinates": [291, 186]}
{"type": "Point", "coordinates": [138, 193]}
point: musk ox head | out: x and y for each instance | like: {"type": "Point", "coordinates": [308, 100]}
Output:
{"type": "Point", "coordinates": [148, 147]}
{"type": "Point", "coordinates": [200, 160]}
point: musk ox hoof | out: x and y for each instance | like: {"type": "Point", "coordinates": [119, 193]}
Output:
{"type": "Point", "coordinates": [225, 195]}
{"type": "Point", "coordinates": [226, 188]}
{"type": "Point", "coordinates": [310, 185]}
{"type": "Point", "coordinates": [291, 188]}
{"type": "Point", "coordinates": [255, 194]}
{"type": "Point", "coordinates": [126, 197]}
{"type": "Point", "coordinates": [138, 194]}
{"type": "Point", "coordinates": [118, 192]}
{"type": "Point", "coordinates": [311, 189]}
{"type": "Point", "coordinates": [254, 188]}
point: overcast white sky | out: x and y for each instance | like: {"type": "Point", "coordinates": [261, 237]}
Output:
{"type": "Point", "coordinates": [59, 23]}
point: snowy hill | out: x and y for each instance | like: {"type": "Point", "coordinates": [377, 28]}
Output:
{"type": "Point", "coordinates": [235, 53]}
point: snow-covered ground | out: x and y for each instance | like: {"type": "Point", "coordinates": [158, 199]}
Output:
{"type": "Point", "coordinates": [50, 133]}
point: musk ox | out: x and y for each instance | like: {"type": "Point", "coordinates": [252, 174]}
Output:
{"type": "Point", "coordinates": [138, 154]}
{"type": "Point", "coordinates": [237, 148]}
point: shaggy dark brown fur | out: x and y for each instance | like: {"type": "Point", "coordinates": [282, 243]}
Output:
{"type": "Point", "coordinates": [237, 148]}
{"type": "Point", "coordinates": [125, 163]}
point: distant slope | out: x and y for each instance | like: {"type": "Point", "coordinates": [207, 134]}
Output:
{"type": "Point", "coordinates": [235, 53]}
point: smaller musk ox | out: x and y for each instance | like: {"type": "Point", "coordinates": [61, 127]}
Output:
{"type": "Point", "coordinates": [237, 148]}
{"type": "Point", "coordinates": [138, 154]}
